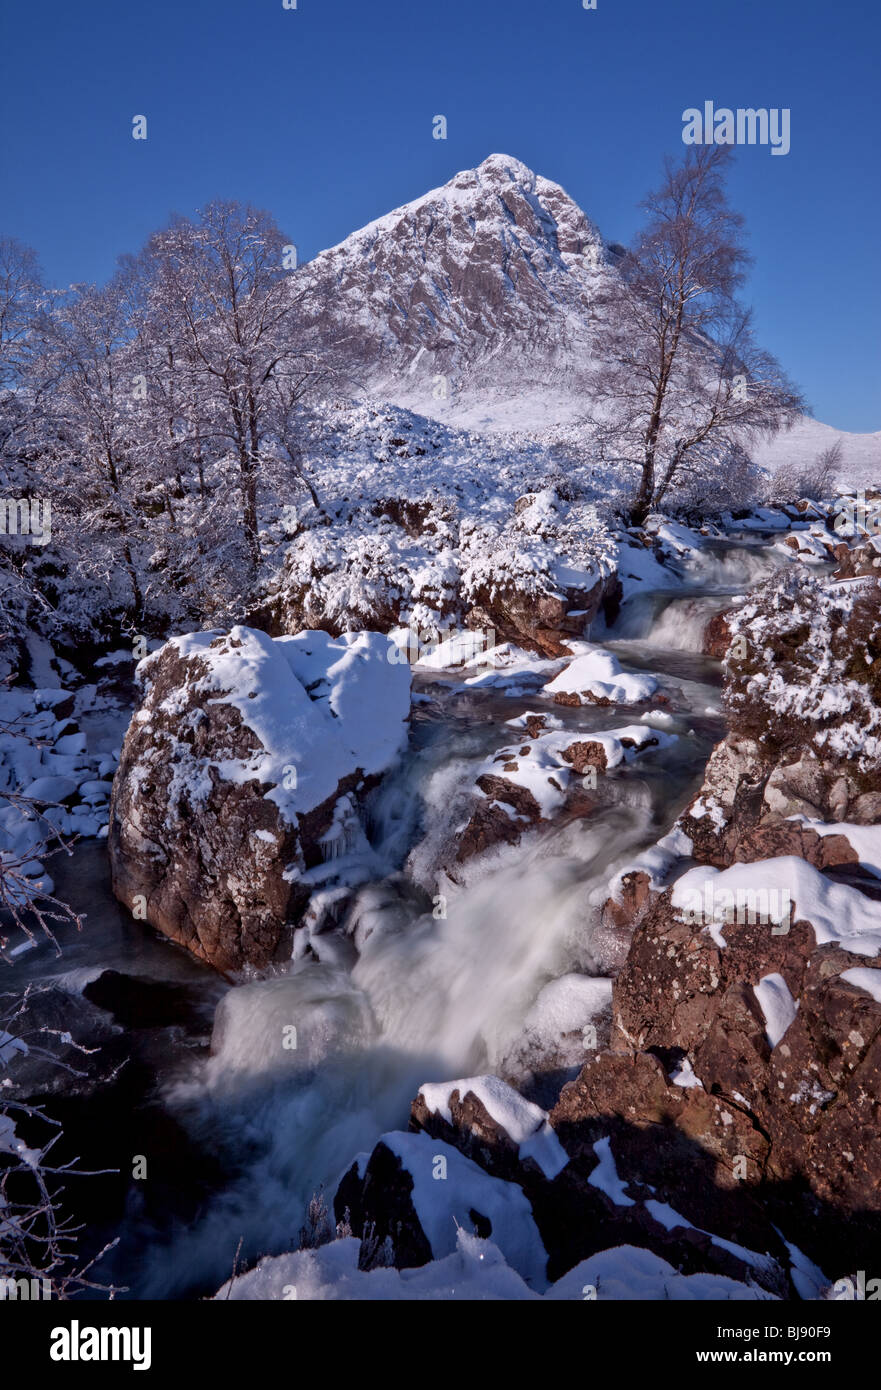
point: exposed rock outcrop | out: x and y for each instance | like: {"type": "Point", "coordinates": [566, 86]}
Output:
{"type": "Point", "coordinates": [596, 1172]}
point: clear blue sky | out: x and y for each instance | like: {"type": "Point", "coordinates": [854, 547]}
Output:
{"type": "Point", "coordinates": [323, 115]}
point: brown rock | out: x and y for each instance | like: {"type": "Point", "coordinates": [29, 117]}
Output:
{"type": "Point", "coordinates": [717, 636]}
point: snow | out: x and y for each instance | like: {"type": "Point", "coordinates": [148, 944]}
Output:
{"type": "Point", "coordinates": [41, 762]}
{"type": "Point", "coordinates": [669, 1218]}
{"type": "Point", "coordinates": [818, 687]}
{"type": "Point", "coordinates": [526, 1124]}
{"type": "Point", "coordinates": [777, 1005]}
{"type": "Point", "coordinates": [673, 536]}
{"type": "Point", "coordinates": [761, 519]}
{"type": "Point", "coordinates": [596, 674]}
{"type": "Point", "coordinates": [628, 1272]}
{"type": "Point", "coordinates": [808, 1278]}
{"type": "Point", "coordinates": [865, 979]}
{"type": "Point", "coordinates": [321, 707]}
{"type": "Point", "coordinates": [639, 571]}
{"type": "Point", "coordinates": [472, 541]}
{"type": "Point", "coordinates": [544, 770]}
{"type": "Point", "coordinates": [655, 861]}
{"type": "Point", "coordinates": [865, 839]}
{"type": "Point", "coordinates": [605, 1175]}
{"type": "Point", "coordinates": [476, 1270]}
{"type": "Point", "coordinates": [513, 671]}
{"type": "Point", "coordinates": [10, 1045]}
{"type": "Point", "coordinates": [861, 460]}
{"type": "Point", "coordinates": [442, 1203]}
{"type": "Point", "coordinates": [709, 807]}
{"type": "Point", "coordinates": [666, 1216]}
{"type": "Point", "coordinates": [683, 1075]}
{"type": "Point", "coordinates": [522, 720]}
{"type": "Point", "coordinates": [836, 912]}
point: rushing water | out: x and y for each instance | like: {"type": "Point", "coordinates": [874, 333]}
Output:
{"type": "Point", "coordinates": [426, 996]}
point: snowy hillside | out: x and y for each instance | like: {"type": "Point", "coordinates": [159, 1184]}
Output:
{"type": "Point", "coordinates": [861, 453]}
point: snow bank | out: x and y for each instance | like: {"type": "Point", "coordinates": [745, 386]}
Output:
{"type": "Point", "coordinates": [836, 912]}
{"type": "Point", "coordinates": [475, 1271]}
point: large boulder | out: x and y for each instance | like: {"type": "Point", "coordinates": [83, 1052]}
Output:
{"type": "Point", "coordinates": [766, 978]}
{"type": "Point", "coordinates": [241, 770]}
{"type": "Point", "coordinates": [803, 691]}
{"type": "Point", "coordinates": [407, 1199]}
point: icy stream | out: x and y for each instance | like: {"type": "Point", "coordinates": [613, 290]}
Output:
{"type": "Point", "coordinates": [444, 983]}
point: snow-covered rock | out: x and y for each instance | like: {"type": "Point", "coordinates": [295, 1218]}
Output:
{"type": "Point", "coordinates": [232, 776]}
{"type": "Point", "coordinates": [596, 677]}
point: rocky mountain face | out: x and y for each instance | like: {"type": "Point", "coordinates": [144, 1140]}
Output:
{"type": "Point", "coordinates": [492, 274]}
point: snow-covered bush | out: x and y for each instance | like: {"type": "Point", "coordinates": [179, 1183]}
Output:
{"type": "Point", "coordinates": [38, 1241]}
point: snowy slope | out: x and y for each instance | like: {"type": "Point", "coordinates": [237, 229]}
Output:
{"type": "Point", "coordinates": [861, 457]}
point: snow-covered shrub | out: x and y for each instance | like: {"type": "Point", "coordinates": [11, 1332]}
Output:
{"type": "Point", "coordinates": [729, 481]}
{"type": "Point", "coordinates": [38, 1241]}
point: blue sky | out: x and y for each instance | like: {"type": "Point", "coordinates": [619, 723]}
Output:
{"type": "Point", "coordinates": [323, 115]}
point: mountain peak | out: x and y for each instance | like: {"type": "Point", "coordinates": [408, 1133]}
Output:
{"type": "Point", "coordinates": [506, 166]}
{"type": "Point", "coordinates": [494, 269]}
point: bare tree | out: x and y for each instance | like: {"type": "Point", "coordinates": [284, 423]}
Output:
{"type": "Point", "coordinates": [84, 432]}
{"type": "Point", "coordinates": [681, 382]}
{"type": "Point", "coordinates": [21, 297]}
{"type": "Point", "coordinates": [795, 479]}
{"type": "Point", "coordinates": [21, 290]}
{"type": "Point", "coordinates": [228, 296]}
{"type": "Point", "coordinates": [817, 479]}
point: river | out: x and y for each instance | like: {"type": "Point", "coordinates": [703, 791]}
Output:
{"type": "Point", "coordinates": [246, 1133]}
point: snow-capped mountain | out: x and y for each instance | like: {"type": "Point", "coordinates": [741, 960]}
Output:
{"type": "Point", "coordinates": [473, 305]}
{"type": "Point", "coordinates": [486, 282]}
{"type": "Point", "coordinates": [861, 453]}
